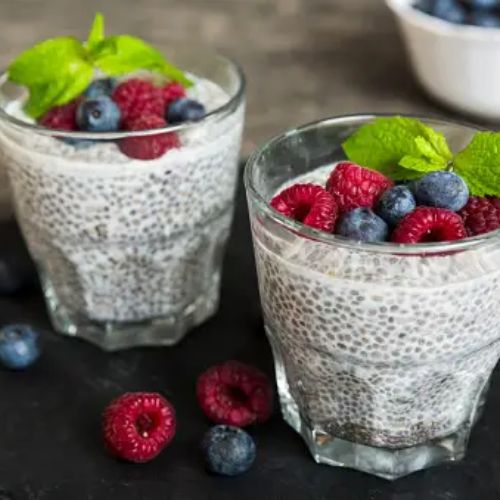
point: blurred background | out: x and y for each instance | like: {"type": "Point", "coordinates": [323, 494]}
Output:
{"type": "Point", "coordinates": [304, 59]}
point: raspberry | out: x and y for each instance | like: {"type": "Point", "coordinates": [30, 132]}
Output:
{"type": "Point", "coordinates": [427, 224]}
{"type": "Point", "coordinates": [148, 147]}
{"type": "Point", "coordinates": [234, 393]}
{"type": "Point", "coordinates": [481, 215]}
{"type": "Point", "coordinates": [353, 186]}
{"type": "Point", "coordinates": [136, 98]}
{"type": "Point", "coordinates": [138, 425]}
{"type": "Point", "coordinates": [171, 92]}
{"type": "Point", "coordinates": [61, 117]}
{"type": "Point", "coordinates": [312, 205]}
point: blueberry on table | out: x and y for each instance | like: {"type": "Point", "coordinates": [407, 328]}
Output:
{"type": "Point", "coordinates": [228, 450]}
{"type": "Point", "coordinates": [442, 190]}
{"type": "Point", "coordinates": [18, 346]}
{"type": "Point", "coordinates": [100, 114]}
{"type": "Point", "coordinates": [362, 224]}
{"type": "Point", "coordinates": [395, 203]}
{"type": "Point", "coordinates": [185, 110]}
{"type": "Point", "coordinates": [101, 87]}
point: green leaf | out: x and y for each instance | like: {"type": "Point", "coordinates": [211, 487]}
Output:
{"type": "Point", "coordinates": [479, 164]}
{"type": "Point", "coordinates": [55, 72]}
{"type": "Point", "coordinates": [121, 54]}
{"type": "Point", "coordinates": [398, 147]}
{"type": "Point", "coordinates": [96, 34]}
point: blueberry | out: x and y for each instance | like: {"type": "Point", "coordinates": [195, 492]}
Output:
{"type": "Point", "coordinates": [485, 19]}
{"type": "Point", "coordinates": [18, 346]}
{"type": "Point", "coordinates": [228, 450]}
{"type": "Point", "coordinates": [425, 6]}
{"type": "Point", "coordinates": [442, 190]}
{"type": "Point", "coordinates": [449, 10]}
{"type": "Point", "coordinates": [185, 110]}
{"type": "Point", "coordinates": [98, 115]}
{"type": "Point", "coordinates": [395, 203]}
{"type": "Point", "coordinates": [361, 224]}
{"type": "Point", "coordinates": [483, 4]}
{"type": "Point", "coordinates": [103, 86]}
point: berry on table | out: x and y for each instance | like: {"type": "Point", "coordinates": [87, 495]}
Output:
{"type": "Point", "coordinates": [137, 98]}
{"type": "Point", "coordinates": [18, 346]}
{"type": "Point", "coordinates": [442, 190]}
{"type": "Point", "coordinates": [101, 87]}
{"type": "Point", "coordinates": [228, 451]}
{"type": "Point", "coordinates": [99, 114]}
{"type": "Point", "coordinates": [172, 92]}
{"type": "Point", "coordinates": [354, 186]}
{"type": "Point", "coordinates": [395, 203]}
{"type": "Point", "coordinates": [235, 393]}
{"type": "Point", "coordinates": [185, 110]}
{"type": "Point", "coordinates": [429, 224]}
{"type": "Point", "coordinates": [481, 215]}
{"type": "Point", "coordinates": [138, 425]}
{"type": "Point", "coordinates": [307, 203]}
{"type": "Point", "coordinates": [362, 224]}
{"type": "Point", "coordinates": [148, 147]}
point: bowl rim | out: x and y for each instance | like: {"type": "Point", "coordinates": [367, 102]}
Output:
{"type": "Point", "coordinates": [333, 240]}
{"type": "Point", "coordinates": [229, 106]}
{"type": "Point", "coordinates": [405, 9]}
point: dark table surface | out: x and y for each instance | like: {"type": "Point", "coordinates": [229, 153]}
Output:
{"type": "Point", "coordinates": [50, 442]}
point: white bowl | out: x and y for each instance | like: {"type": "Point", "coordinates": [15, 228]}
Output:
{"type": "Point", "coordinates": [458, 65]}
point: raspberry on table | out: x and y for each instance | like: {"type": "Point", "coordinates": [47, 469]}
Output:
{"type": "Point", "coordinates": [138, 425]}
{"type": "Point", "coordinates": [481, 215]}
{"type": "Point", "coordinates": [172, 92]}
{"type": "Point", "coordinates": [235, 393]}
{"type": "Point", "coordinates": [354, 186]}
{"type": "Point", "coordinates": [61, 117]}
{"type": "Point", "coordinates": [429, 224]}
{"type": "Point", "coordinates": [151, 146]}
{"type": "Point", "coordinates": [307, 203]}
{"type": "Point", "coordinates": [137, 97]}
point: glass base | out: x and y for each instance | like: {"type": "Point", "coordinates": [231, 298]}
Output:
{"type": "Point", "coordinates": [382, 462]}
{"type": "Point", "coordinates": [113, 336]}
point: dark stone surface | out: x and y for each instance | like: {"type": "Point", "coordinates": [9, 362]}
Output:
{"type": "Point", "coordinates": [50, 446]}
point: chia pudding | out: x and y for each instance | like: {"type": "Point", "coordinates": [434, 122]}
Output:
{"type": "Point", "coordinates": [129, 250]}
{"type": "Point", "coordinates": [379, 351]}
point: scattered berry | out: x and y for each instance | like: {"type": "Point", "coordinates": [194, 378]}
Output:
{"type": "Point", "coordinates": [228, 451]}
{"type": "Point", "coordinates": [172, 92]}
{"type": "Point", "coordinates": [18, 346]}
{"type": "Point", "coordinates": [185, 110]}
{"type": "Point", "coordinates": [137, 98]}
{"type": "Point", "coordinates": [61, 117]}
{"type": "Point", "coordinates": [138, 425]}
{"type": "Point", "coordinates": [99, 114]}
{"type": "Point", "coordinates": [429, 224]}
{"type": "Point", "coordinates": [361, 224]}
{"type": "Point", "coordinates": [148, 147]}
{"type": "Point", "coordinates": [353, 186]}
{"type": "Point", "coordinates": [101, 87]}
{"type": "Point", "coordinates": [234, 393]}
{"type": "Point", "coordinates": [442, 190]}
{"type": "Point", "coordinates": [395, 203]}
{"type": "Point", "coordinates": [312, 205]}
{"type": "Point", "coordinates": [481, 215]}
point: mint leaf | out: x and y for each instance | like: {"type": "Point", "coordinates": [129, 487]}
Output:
{"type": "Point", "coordinates": [54, 71]}
{"type": "Point", "coordinates": [387, 144]}
{"type": "Point", "coordinates": [121, 54]}
{"type": "Point", "coordinates": [96, 34]}
{"type": "Point", "coordinates": [479, 164]}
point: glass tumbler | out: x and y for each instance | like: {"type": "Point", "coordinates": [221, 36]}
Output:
{"type": "Point", "coordinates": [129, 251]}
{"type": "Point", "coordinates": [383, 353]}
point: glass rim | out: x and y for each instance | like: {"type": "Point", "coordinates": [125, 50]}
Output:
{"type": "Point", "coordinates": [215, 115]}
{"type": "Point", "coordinates": [331, 239]}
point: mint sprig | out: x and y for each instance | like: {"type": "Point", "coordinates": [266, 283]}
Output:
{"type": "Point", "coordinates": [57, 70]}
{"type": "Point", "coordinates": [405, 149]}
